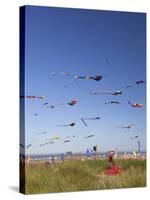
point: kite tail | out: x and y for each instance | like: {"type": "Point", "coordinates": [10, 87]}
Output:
{"type": "Point", "coordinates": [84, 122]}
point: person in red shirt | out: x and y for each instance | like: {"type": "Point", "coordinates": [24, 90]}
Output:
{"type": "Point", "coordinates": [110, 155]}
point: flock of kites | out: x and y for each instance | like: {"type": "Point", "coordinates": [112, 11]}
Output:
{"type": "Point", "coordinates": [73, 102]}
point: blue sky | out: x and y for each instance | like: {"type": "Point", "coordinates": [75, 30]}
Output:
{"type": "Point", "coordinates": [78, 41]}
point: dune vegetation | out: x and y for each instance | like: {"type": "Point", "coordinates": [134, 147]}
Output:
{"type": "Point", "coordinates": [75, 175]}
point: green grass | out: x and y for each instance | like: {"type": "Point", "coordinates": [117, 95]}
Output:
{"type": "Point", "coordinates": [82, 175]}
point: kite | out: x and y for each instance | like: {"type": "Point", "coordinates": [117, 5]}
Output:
{"type": "Point", "coordinates": [55, 138]}
{"type": "Point", "coordinates": [93, 118]}
{"type": "Point", "coordinates": [46, 103]}
{"type": "Point", "coordinates": [113, 171]}
{"type": "Point", "coordinates": [89, 136]}
{"type": "Point", "coordinates": [135, 105]}
{"type": "Point", "coordinates": [134, 153]}
{"type": "Point", "coordinates": [114, 93]}
{"type": "Point", "coordinates": [127, 127]}
{"type": "Point", "coordinates": [51, 142]}
{"type": "Point", "coordinates": [83, 122]}
{"type": "Point", "coordinates": [35, 114]}
{"type": "Point", "coordinates": [22, 145]}
{"type": "Point", "coordinates": [95, 148]}
{"type": "Point", "coordinates": [140, 82]}
{"type": "Point", "coordinates": [89, 152]}
{"type": "Point", "coordinates": [112, 102]}
{"type": "Point", "coordinates": [96, 78]}
{"type": "Point", "coordinates": [72, 124]}
{"type": "Point", "coordinates": [28, 146]}
{"type": "Point", "coordinates": [128, 86]}
{"type": "Point", "coordinates": [110, 153]}
{"type": "Point", "coordinates": [72, 102]}
{"type": "Point", "coordinates": [65, 141]}
{"type": "Point", "coordinates": [139, 144]}
{"type": "Point", "coordinates": [33, 97]}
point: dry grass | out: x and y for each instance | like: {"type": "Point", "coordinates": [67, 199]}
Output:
{"type": "Point", "coordinates": [78, 176]}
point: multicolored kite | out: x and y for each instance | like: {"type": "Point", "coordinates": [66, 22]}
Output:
{"type": "Point", "coordinates": [135, 105]}
{"type": "Point", "coordinates": [33, 97]}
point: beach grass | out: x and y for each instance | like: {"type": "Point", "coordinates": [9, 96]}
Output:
{"type": "Point", "coordinates": [76, 175]}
